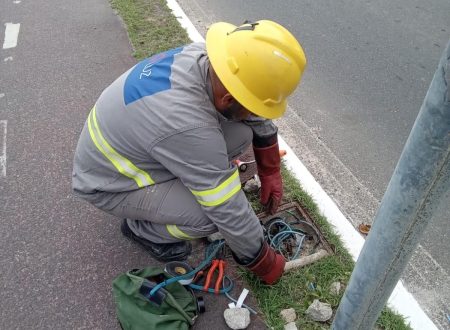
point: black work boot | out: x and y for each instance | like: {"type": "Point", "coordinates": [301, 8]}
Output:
{"type": "Point", "coordinates": [163, 251]}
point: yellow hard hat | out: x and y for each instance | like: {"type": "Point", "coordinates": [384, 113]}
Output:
{"type": "Point", "coordinates": [259, 63]}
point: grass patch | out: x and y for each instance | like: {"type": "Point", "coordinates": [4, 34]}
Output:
{"type": "Point", "coordinates": [152, 28]}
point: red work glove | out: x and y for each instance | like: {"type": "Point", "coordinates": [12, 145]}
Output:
{"type": "Point", "coordinates": [268, 161]}
{"type": "Point", "coordinates": [268, 265]}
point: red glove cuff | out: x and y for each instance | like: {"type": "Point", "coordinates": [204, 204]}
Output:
{"type": "Point", "coordinates": [267, 159]}
{"type": "Point", "coordinates": [268, 265]}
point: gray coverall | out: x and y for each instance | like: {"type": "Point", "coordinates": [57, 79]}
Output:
{"type": "Point", "coordinates": [155, 150]}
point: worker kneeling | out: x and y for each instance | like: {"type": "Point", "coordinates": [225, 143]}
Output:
{"type": "Point", "coordinates": [157, 146]}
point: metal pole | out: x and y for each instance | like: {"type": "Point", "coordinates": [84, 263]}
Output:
{"type": "Point", "coordinates": [421, 177]}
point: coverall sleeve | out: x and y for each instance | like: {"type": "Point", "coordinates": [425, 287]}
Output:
{"type": "Point", "coordinates": [264, 131]}
{"type": "Point", "coordinates": [199, 158]}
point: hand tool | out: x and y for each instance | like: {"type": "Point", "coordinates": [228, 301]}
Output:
{"type": "Point", "coordinates": [219, 264]}
{"type": "Point", "coordinates": [242, 166]}
{"type": "Point", "coordinates": [223, 284]}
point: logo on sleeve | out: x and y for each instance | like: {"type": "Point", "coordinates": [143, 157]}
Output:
{"type": "Point", "coordinates": [150, 76]}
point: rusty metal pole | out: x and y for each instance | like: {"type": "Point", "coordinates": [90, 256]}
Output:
{"type": "Point", "coordinates": [421, 177]}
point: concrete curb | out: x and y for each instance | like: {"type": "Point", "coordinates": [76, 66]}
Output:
{"type": "Point", "coordinates": [400, 300]}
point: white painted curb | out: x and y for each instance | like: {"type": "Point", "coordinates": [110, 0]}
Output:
{"type": "Point", "coordinates": [185, 22]}
{"type": "Point", "coordinates": [400, 300]}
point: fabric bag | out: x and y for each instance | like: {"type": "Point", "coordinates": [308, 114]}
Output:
{"type": "Point", "coordinates": [172, 307]}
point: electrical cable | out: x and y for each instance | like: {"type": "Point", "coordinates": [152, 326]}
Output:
{"type": "Point", "coordinates": [298, 220]}
{"type": "Point", "coordinates": [283, 237]}
{"type": "Point", "coordinates": [235, 301]}
{"type": "Point", "coordinates": [225, 289]}
{"type": "Point", "coordinates": [202, 265]}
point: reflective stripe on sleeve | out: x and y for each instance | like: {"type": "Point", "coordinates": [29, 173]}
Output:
{"type": "Point", "coordinates": [177, 233]}
{"type": "Point", "coordinates": [221, 193]}
{"type": "Point", "coordinates": [122, 164]}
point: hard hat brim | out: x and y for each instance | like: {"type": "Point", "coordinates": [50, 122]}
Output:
{"type": "Point", "coordinates": [216, 47]}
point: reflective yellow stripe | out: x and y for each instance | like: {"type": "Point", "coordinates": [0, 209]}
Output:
{"type": "Point", "coordinates": [221, 193]}
{"type": "Point", "coordinates": [177, 233]}
{"type": "Point", "coordinates": [222, 199]}
{"type": "Point", "coordinates": [122, 164]}
{"type": "Point", "coordinates": [218, 188]}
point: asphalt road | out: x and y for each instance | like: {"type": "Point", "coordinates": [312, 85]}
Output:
{"type": "Point", "coordinates": [370, 65]}
{"type": "Point", "coordinates": [59, 255]}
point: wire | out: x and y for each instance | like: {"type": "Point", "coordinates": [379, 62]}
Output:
{"type": "Point", "coordinates": [203, 264]}
{"type": "Point", "coordinates": [293, 214]}
{"type": "Point", "coordinates": [235, 301]}
{"type": "Point", "coordinates": [283, 237]}
{"type": "Point", "coordinates": [225, 289]}
{"type": "Point", "coordinates": [279, 239]}
{"type": "Point", "coordinates": [298, 220]}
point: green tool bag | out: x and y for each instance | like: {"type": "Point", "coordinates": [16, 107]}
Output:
{"type": "Point", "coordinates": [171, 307]}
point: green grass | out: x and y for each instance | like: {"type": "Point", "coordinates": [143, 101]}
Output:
{"type": "Point", "coordinates": [152, 28]}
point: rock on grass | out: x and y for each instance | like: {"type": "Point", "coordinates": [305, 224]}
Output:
{"type": "Point", "coordinates": [335, 288]}
{"type": "Point", "coordinates": [290, 326]}
{"type": "Point", "coordinates": [319, 311]}
{"type": "Point", "coordinates": [288, 315]}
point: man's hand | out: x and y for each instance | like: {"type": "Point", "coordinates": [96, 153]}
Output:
{"type": "Point", "coordinates": [271, 191]}
{"type": "Point", "coordinates": [268, 161]}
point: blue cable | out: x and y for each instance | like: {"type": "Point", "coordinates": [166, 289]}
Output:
{"type": "Point", "coordinates": [284, 232]}
{"type": "Point", "coordinates": [277, 241]}
{"type": "Point", "coordinates": [224, 290]}
{"type": "Point", "coordinates": [202, 265]}
{"type": "Point", "coordinates": [298, 220]}
{"type": "Point", "coordinates": [235, 301]}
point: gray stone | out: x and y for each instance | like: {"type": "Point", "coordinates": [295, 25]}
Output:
{"type": "Point", "coordinates": [288, 315]}
{"type": "Point", "coordinates": [237, 318]}
{"type": "Point", "coordinates": [290, 326]}
{"type": "Point", "coordinates": [319, 311]}
{"type": "Point", "coordinates": [251, 185]}
{"type": "Point", "coordinates": [335, 288]}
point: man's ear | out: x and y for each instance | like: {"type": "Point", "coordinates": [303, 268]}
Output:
{"type": "Point", "coordinates": [226, 101]}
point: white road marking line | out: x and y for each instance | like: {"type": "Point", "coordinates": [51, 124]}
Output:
{"type": "Point", "coordinates": [17, 1]}
{"type": "Point", "coordinates": [11, 35]}
{"type": "Point", "coordinates": [2, 95]}
{"type": "Point", "coordinates": [9, 58]}
{"type": "Point", "coordinates": [3, 124]}
{"type": "Point", "coordinates": [184, 21]}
